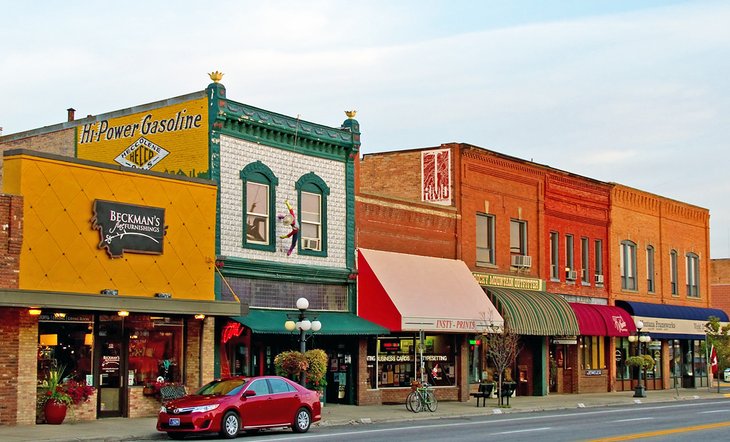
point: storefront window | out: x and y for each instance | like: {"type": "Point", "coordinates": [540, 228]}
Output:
{"type": "Point", "coordinates": [476, 359]}
{"type": "Point", "coordinates": [622, 352]}
{"type": "Point", "coordinates": [593, 352]}
{"type": "Point", "coordinates": [654, 349]}
{"type": "Point", "coordinates": [155, 348]}
{"type": "Point", "coordinates": [398, 360]}
{"type": "Point", "coordinates": [66, 340]}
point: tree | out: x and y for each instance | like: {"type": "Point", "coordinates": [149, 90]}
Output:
{"type": "Point", "coordinates": [502, 346]}
{"type": "Point", "coordinates": [719, 336]}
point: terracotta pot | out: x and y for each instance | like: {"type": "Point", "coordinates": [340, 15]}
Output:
{"type": "Point", "coordinates": [55, 412]}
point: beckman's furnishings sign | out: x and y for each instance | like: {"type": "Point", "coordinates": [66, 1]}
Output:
{"type": "Point", "coordinates": [129, 228]}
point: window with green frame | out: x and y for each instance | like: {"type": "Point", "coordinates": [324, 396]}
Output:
{"type": "Point", "coordinates": [312, 194]}
{"type": "Point", "coordinates": [259, 196]}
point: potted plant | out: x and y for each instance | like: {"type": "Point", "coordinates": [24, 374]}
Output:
{"type": "Point", "coordinates": [644, 362]}
{"type": "Point", "coordinates": [290, 364]}
{"type": "Point", "coordinates": [56, 395]}
{"type": "Point", "coordinates": [317, 371]}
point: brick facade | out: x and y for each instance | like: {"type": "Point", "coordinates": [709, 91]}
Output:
{"type": "Point", "coordinates": [61, 142]}
{"type": "Point", "coordinates": [720, 284]}
{"type": "Point", "coordinates": [650, 220]}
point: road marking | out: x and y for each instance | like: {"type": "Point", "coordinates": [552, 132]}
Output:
{"type": "Point", "coordinates": [523, 431]}
{"type": "Point", "coordinates": [635, 419]}
{"type": "Point", "coordinates": [663, 432]}
{"type": "Point", "coordinates": [712, 411]}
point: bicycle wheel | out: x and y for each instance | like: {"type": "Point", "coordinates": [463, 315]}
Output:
{"type": "Point", "coordinates": [431, 402]}
{"type": "Point", "coordinates": [413, 402]}
{"type": "Point", "coordinates": [408, 401]}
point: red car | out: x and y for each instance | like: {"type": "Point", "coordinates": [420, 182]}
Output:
{"type": "Point", "coordinates": [231, 405]}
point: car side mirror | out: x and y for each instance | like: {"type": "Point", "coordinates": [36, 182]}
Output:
{"type": "Point", "coordinates": [248, 393]}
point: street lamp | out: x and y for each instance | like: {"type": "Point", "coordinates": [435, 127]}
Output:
{"type": "Point", "coordinates": [642, 338]}
{"type": "Point", "coordinates": [303, 324]}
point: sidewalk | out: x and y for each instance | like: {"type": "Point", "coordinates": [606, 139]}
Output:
{"type": "Point", "coordinates": [121, 429]}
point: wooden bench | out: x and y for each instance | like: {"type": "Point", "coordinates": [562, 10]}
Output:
{"type": "Point", "coordinates": [485, 391]}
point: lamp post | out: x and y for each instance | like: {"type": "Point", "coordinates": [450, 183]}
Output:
{"type": "Point", "coordinates": [641, 338]}
{"type": "Point", "coordinates": [303, 324]}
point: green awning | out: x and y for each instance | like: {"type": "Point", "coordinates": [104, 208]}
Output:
{"type": "Point", "coordinates": [333, 323]}
{"type": "Point", "coordinates": [535, 313]}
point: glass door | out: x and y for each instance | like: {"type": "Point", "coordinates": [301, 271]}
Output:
{"type": "Point", "coordinates": [110, 365]}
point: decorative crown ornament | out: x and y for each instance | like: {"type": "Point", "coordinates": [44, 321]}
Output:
{"type": "Point", "coordinates": [216, 76]}
{"type": "Point", "coordinates": [351, 113]}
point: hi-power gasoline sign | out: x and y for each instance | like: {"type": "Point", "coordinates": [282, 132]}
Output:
{"type": "Point", "coordinates": [171, 139]}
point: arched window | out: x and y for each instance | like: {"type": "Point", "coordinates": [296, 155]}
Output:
{"type": "Point", "coordinates": [259, 194]}
{"type": "Point", "coordinates": [693, 275]}
{"type": "Point", "coordinates": [673, 272]}
{"type": "Point", "coordinates": [628, 265]}
{"type": "Point", "coordinates": [312, 194]}
{"type": "Point", "coordinates": [650, 286]}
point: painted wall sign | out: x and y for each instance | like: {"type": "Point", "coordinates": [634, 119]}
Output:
{"type": "Point", "coordinates": [510, 282]}
{"type": "Point", "coordinates": [128, 227]}
{"type": "Point", "coordinates": [672, 326]}
{"type": "Point", "coordinates": [443, 324]}
{"type": "Point", "coordinates": [171, 139]}
{"type": "Point", "coordinates": [436, 176]}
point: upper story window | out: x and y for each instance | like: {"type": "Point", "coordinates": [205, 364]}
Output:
{"type": "Point", "coordinates": [518, 237]}
{"type": "Point", "coordinates": [650, 269]}
{"type": "Point", "coordinates": [554, 256]}
{"type": "Point", "coordinates": [673, 272]}
{"type": "Point", "coordinates": [485, 239]}
{"type": "Point", "coordinates": [627, 259]}
{"type": "Point", "coordinates": [585, 259]}
{"type": "Point", "coordinates": [693, 275]}
{"type": "Point", "coordinates": [313, 192]}
{"type": "Point", "coordinates": [570, 273]}
{"type": "Point", "coordinates": [259, 190]}
{"type": "Point", "coordinates": [598, 250]}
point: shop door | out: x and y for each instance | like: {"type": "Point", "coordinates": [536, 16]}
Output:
{"type": "Point", "coordinates": [111, 365]}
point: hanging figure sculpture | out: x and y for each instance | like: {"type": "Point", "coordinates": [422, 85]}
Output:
{"type": "Point", "coordinates": [291, 220]}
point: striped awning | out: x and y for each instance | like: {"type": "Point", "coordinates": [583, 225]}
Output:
{"type": "Point", "coordinates": [535, 313]}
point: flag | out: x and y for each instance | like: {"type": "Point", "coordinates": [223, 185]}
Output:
{"type": "Point", "coordinates": [713, 360]}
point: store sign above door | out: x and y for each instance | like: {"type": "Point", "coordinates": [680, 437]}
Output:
{"type": "Point", "coordinates": [129, 228]}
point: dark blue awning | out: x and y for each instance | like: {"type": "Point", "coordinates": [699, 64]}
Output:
{"type": "Point", "coordinates": [672, 321]}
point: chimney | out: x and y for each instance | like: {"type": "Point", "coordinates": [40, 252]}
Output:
{"type": "Point", "coordinates": [71, 111]}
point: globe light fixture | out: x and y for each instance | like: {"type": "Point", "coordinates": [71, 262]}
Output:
{"type": "Point", "coordinates": [305, 325]}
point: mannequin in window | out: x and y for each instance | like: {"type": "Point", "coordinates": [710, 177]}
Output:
{"type": "Point", "coordinates": [254, 226]}
{"type": "Point", "coordinates": [291, 220]}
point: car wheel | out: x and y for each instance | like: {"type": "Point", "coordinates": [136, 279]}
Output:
{"type": "Point", "coordinates": [230, 425]}
{"type": "Point", "coordinates": [302, 421]}
{"type": "Point", "coordinates": [176, 436]}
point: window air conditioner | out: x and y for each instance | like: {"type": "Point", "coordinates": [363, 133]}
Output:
{"type": "Point", "coordinates": [521, 261]}
{"type": "Point", "coordinates": [310, 244]}
{"type": "Point", "coordinates": [571, 275]}
{"type": "Point", "coordinates": [599, 279]}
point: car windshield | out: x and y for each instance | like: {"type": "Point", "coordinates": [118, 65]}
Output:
{"type": "Point", "coordinates": [222, 387]}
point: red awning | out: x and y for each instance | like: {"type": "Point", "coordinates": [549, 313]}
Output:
{"type": "Point", "coordinates": [603, 320]}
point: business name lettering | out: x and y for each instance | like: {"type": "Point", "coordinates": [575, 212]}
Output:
{"type": "Point", "coordinates": [102, 131]}
{"type": "Point", "coordinates": [448, 324]}
{"type": "Point", "coordinates": [406, 358]}
{"type": "Point", "coordinates": [488, 279]}
{"type": "Point", "coordinates": [128, 227]}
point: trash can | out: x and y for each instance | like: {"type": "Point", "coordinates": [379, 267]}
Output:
{"type": "Point", "coordinates": [726, 375]}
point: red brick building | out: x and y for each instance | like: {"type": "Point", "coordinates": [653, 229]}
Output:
{"type": "Point", "coordinates": [720, 283]}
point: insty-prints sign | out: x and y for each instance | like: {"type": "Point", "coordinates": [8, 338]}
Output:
{"type": "Point", "coordinates": [436, 176]}
{"type": "Point", "coordinates": [129, 228]}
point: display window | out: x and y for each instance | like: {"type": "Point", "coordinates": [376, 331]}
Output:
{"type": "Point", "coordinates": [396, 361]}
{"type": "Point", "coordinates": [66, 340]}
{"type": "Point", "coordinates": [155, 349]}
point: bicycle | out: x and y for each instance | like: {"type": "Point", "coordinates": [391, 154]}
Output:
{"type": "Point", "coordinates": [422, 398]}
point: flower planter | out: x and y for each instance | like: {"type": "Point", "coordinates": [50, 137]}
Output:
{"type": "Point", "coordinates": [55, 412]}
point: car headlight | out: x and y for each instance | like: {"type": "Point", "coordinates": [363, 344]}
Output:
{"type": "Point", "coordinates": [163, 409]}
{"type": "Point", "coordinates": [203, 408]}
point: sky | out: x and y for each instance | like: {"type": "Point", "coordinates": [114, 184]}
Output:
{"type": "Point", "coordinates": [634, 92]}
